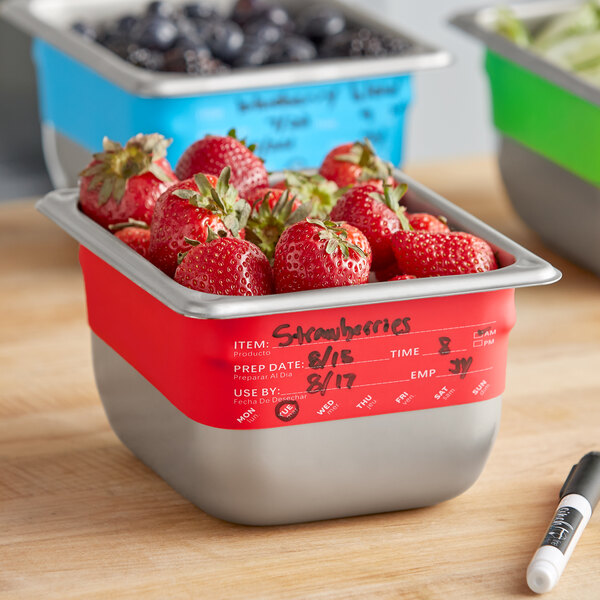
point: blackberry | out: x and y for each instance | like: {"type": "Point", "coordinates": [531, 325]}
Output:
{"type": "Point", "coordinates": [146, 58]}
{"type": "Point", "coordinates": [396, 45]}
{"type": "Point", "coordinates": [245, 10]}
{"type": "Point", "coordinates": [361, 41]}
{"type": "Point", "coordinates": [120, 44]}
{"type": "Point", "coordinates": [193, 61]}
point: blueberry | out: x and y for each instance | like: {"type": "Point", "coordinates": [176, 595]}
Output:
{"type": "Point", "coordinates": [125, 24]}
{"type": "Point", "coordinates": [275, 14]}
{"type": "Point", "coordinates": [146, 58]}
{"type": "Point", "coordinates": [254, 53]}
{"type": "Point", "coordinates": [85, 29]}
{"type": "Point", "coordinates": [155, 33]}
{"type": "Point", "coordinates": [225, 40]}
{"type": "Point", "coordinates": [199, 10]}
{"type": "Point", "coordinates": [204, 27]}
{"type": "Point", "coordinates": [160, 8]}
{"type": "Point", "coordinates": [188, 35]}
{"type": "Point", "coordinates": [263, 31]}
{"type": "Point", "coordinates": [319, 22]}
{"type": "Point", "coordinates": [293, 48]}
{"type": "Point", "coordinates": [278, 16]}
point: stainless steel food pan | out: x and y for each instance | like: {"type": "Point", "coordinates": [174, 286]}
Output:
{"type": "Point", "coordinates": [190, 393]}
{"type": "Point", "coordinates": [561, 207]}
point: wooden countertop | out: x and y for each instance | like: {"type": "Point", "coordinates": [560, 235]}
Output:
{"type": "Point", "coordinates": [81, 517]}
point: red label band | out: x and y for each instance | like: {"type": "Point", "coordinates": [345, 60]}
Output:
{"type": "Point", "coordinates": [306, 367]}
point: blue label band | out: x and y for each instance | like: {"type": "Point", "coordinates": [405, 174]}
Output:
{"type": "Point", "coordinates": [292, 126]}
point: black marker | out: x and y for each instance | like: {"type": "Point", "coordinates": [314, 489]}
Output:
{"type": "Point", "coordinates": [578, 498]}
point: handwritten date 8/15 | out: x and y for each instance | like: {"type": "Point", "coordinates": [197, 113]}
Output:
{"type": "Point", "coordinates": [316, 360]}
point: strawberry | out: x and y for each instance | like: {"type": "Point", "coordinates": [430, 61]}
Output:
{"type": "Point", "coordinates": [187, 210]}
{"type": "Point", "coordinates": [123, 183]}
{"type": "Point", "coordinates": [226, 266]}
{"type": "Point", "coordinates": [377, 215]}
{"type": "Point", "coordinates": [349, 164]}
{"type": "Point", "coordinates": [320, 192]}
{"type": "Point", "coordinates": [427, 222]}
{"type": "Point", "coordinates": [271, 215]}
{"type": "Point", "coordinates": [213, 153]}
{"type": "Point", "coordinates": [316, 254]}
{"type": "Point", "coordinates": [136, 234]}
{"type": "Point", "coordinates": [482, 247]}
{"type": "Point", "coordinates": [402, 277]}
{"type": "Point", "coordinates": [272, 194]}
{"type": "Point", "coordinates": [388, 273]}
{"type": "Point", "coordinates": [427, 254]}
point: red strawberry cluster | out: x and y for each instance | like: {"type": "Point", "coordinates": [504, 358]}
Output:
{"type": "Point", "coordinates": [216, 224]}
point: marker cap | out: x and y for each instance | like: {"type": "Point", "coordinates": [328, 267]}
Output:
{"type": "Point", "coordinates": [584, 479]}
{"type": "Point", "coordinates": [542, 576]}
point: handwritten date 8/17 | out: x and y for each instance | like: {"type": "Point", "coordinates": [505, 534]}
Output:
{"type": "Point", "coordinates": [318, 384]}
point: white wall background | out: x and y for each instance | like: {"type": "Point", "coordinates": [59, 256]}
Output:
{"type": "Point", "coordinates": [450, 115]}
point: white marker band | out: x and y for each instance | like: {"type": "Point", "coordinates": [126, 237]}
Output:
{"type": "Point", "coordinates": [548, 563]}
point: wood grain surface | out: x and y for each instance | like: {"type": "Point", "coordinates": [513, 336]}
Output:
{"type": "Point", "coordinates": [81, 517]}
